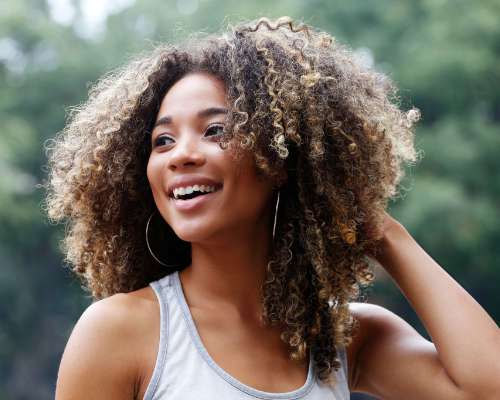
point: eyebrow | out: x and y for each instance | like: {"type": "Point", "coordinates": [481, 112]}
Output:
{"type": "Point", "coordinates": [207, 112]}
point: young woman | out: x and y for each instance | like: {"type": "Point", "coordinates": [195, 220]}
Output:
{"type": "Point", "coordinates": [224, 198]}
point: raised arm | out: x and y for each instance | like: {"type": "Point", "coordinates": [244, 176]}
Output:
{"type": "Point", "coordinates": [393, 361]}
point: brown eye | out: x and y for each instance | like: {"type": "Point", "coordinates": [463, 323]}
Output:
{"type": "Point", "coordinates": [160, 140]}
{"type": "Point", "coordinates": [215, 128]}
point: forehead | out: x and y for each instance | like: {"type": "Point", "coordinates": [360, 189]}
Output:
{"type": "Point", "coordinates": [192, 92]}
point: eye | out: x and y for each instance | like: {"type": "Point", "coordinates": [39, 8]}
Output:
{"type": "Point", "coordinates": [216, 128]}
{"type": "Point", "coordinates": [160, 140]}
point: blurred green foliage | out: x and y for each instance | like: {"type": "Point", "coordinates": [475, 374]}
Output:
{"type": "Point", "coordinates": [443, 54]}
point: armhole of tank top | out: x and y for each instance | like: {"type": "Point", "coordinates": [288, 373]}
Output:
{"type": "Point", "coordinates": [158, 288]}
{"type": "Point", "coordinates": [343, 359]}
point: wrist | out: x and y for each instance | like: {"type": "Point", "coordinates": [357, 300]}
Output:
{"type": "Point", "coordinates": [393, 233]}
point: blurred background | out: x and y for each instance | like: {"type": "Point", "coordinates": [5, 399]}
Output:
{"type": "Point", "coordinates": [443, 54]}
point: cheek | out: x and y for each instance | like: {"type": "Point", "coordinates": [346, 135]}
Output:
{"type": "Point", "coordinates": [149, 172]}
{"type": "Point", "coordinates": [153, 175]}
{"type": "Point", "coordinates": [254, 193]}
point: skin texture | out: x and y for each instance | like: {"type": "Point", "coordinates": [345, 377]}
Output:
{"type": "Point", "coordinates": [341, 168]}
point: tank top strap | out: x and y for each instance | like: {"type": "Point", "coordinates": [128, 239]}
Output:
{"type": "Point", "coordinates": [341, 389]}
{"type": "Point", "coordinates": [343, 359]}
{"type": "Point", "coordinates": [160, 288]}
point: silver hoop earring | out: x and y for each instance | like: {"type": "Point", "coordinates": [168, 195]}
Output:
{"type": "Point", "coordinates": [276, 214]}
{"type": "Point", "coordinates": [151, 251]}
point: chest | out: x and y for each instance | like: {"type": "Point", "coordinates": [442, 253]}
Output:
{"type": "Point", "coordinates": [252, 354]}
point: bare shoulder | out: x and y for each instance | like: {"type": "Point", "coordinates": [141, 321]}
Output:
{"type": "Point", "coordinates": [372, 320]}
{"type": "Point", "coordinates": [103, 355]}
{"type": "Point", "coordinates": [389, 359]}
{"type": "Point", "coordinates": [361, 312]}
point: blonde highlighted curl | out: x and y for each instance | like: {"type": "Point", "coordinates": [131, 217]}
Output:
{"type": "Point", "coordinates": [304, 107]}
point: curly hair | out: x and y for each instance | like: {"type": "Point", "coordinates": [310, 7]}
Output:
{"type": "Point", "coordinates": [302, 104]}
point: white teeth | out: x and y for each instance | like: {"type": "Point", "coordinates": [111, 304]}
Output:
{"type": "Point", "coordinates": [190, 189]}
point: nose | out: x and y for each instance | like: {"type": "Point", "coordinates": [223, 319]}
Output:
{"type": "Point", "coordinates": [186, 152]}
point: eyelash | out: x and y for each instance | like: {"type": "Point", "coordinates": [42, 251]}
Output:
{"type": "Point", "coordinates": [168, 137]}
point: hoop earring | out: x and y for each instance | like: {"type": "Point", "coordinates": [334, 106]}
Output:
{"type": "Point", "coordinates": [151, 251]}
{"type": "Point", "coordinates": [276, 214]}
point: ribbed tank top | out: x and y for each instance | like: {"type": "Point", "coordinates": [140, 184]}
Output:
{"type": "Point", "coordinates": [185, 371]}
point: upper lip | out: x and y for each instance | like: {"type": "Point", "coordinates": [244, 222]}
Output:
{"type": "Point", "coordinates": [183, 181]}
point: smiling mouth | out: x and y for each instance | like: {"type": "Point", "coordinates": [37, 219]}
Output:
{"type": "Point", "coordinates": [194, 194]}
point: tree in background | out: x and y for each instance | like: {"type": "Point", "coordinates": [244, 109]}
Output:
{"type": "Point", "coordinates": [444, 55]}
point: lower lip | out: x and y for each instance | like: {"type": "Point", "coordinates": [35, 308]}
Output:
{"type": "Point", "coordinates": [194, 203]}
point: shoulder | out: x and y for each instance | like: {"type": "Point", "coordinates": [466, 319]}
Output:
{"type": "Point", "coordinates": [102, 357]}
{"type": "Point", "coordinates": [121, 315]}
{"type": "Point", "coordinates": [385, 347]}
{"type": "Point", "coordinates": [373, 320]}
{"type": "Point", "coordinates": [360, 312]}
{"type": "Point", "coordinates": [371, 316]}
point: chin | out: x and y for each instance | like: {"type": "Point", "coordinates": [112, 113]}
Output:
{"type": "Point", "coordinates": [195, 233]}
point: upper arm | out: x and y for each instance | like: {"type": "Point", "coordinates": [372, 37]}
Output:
{"type": "Point", "coordinates": [391, 360]}
{"type": "Point", "coordinates": [97, 362]}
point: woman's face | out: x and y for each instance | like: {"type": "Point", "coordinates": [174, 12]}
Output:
{"type": "Point", "coordinates": [185, 153]}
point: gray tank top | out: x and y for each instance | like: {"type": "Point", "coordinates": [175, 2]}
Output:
{"type": "Point", "coordinates": [185, 371]}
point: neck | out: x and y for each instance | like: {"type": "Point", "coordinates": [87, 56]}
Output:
{"type": "Point", "coordinates": [228, 275]}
